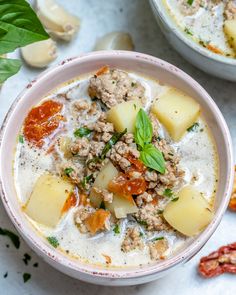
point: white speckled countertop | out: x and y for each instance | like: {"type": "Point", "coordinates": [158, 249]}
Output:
{"type": "Point", "coordinates": [98, 18]}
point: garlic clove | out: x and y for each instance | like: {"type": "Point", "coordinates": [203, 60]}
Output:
{"type": "Point", "coordinates": [115, 41]}
{"type": "Point", "coordinates": [57, 20]}
{"type": "Point", "coordinates": [40, 54]}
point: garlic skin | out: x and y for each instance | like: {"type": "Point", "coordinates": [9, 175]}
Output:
{"type": "Point", "coordinates": [56, 20]}
{"type": "Point", "coordinates": [40, 54]}
{"type": "Point", "coordinates": [115, 41]}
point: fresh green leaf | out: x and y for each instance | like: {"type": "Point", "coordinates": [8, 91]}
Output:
{"type": "Point", "coordinates": [26, 277]}
{"type": "Point", "coordinates": [82, 131]}
{"type": "Point", "coordinates": [116, 229]}
{"type": "Point", "coordinates": [168, 192]}
{"type": "Point", "coordinates": [21, 138]}
{"type": "Point", "coordinates": [53, 241]}
{"type": "Point", "coordinates": [114, 139]}
{"type": "Point", "coordinates": [160, 211]}
{"type": "Point", "coordinates": [102, 205]}
{"type": "Point", "coordinates": [175, 199]}
{"type": "Point", "coordinates": [8, 67]}
{"type": "Point", "coordinates": [86, 180]}
{"type": "Point", "coordinates": [68, 171]}
{"type": "Point", "coordinates": [143, 129]}
{"type": "Point", "coordinates": [19, 25]}
{"type": "Point", "coordinates": [13, 237]}
{"type": "Point", "coordinates": [142, 222]}
{"type": "Point", "coordinates": [193, 127]}
{"type": "Point", "coordinates": [187, 31]}
{"type": "Point", "coordinates": [153, 158]}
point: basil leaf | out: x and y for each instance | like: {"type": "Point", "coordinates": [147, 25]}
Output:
{"type": "Point", "coordinates": [114, 139]}
{"type": "Point", "coordinates": [193, 127]}
{"type": "Point", "coordinates": [82, 131]}
{"type": "Point", "coordinates": [153, 158]}
{"type": "Point", "coordinates": [168, 192]}
{"type": "Point", "coordinates": [116, 229]}
{"type": "Point", "coordinates": [68, 171]}
{"type": "Point", "coordinates": [8, 67]}
{"type": "Point", "coordinates": [143, 129]}
{"type": "Point", "coordinates": [21, 25]}
{"type": "Point", "coordinates": [190, 2]}
{"type": "Point", "coordinates": [53, 241]}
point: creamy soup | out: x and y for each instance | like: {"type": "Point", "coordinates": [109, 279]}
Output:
{"type": "Point", "coordinates": [116, 169]}
{"type": "Point", "coordinates": [211, 23]}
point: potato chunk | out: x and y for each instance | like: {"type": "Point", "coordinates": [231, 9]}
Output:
{"type": "Point", "coordinates": [107, 173]}
{"type": "Point", "coordinates": [121, 206]}
{"type": "Point", "coordinates": [47, 199]}
{"type": "Point", "coordinates": [124, 115]}
{"type": "Point", "coordinates": [230, 32]}
{"type": "Point", "coordinates": [176, 111]}
{"type": "Point", "coordinates": [190, 214]}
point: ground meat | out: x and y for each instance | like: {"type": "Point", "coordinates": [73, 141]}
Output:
{"type": "Point", "coordinates": [73, 171]}
{"type": "Point", "coordinates": [80, 215]}
{"type": "Point", "coordinates": [115, 86]}
{"type": "Point", "coordinates": [144, 198]}
{"type": "Point", "coordinates": [230, 10]}
{"type": "Point", "coordinates": [190, 9]}
{"type": "Point", "coordinates": [105, 194]}
{"type": "Point", "coordinates": [155, 124]}
{"type": "Point", "coordinates": [157, 249]}
{"type": "Point", "coordinates": [132, 240]}
{"type": "Point", "coordinates": [80, 147]}
{"type": "Point", "coordinates": [148, 215]}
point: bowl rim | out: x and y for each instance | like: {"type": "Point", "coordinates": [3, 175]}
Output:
{"type": "Point", "coordinates": [61, 261]}
{"type": "Point", "coordinates": [159, 8]}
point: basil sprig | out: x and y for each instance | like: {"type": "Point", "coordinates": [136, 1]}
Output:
{"type": "Point", "coordinates": [82, 131]}
{"type": "Point", "coordinates": [149, 154]}
{"type": "Point", "coordinates": [19, 26]}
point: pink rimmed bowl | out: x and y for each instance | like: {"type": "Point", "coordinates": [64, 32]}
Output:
{"type": "Point", "coordinates": [67, 70]}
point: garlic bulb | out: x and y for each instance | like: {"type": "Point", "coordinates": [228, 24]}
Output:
{"type": "Point", "coordinates": [115, 40]}
{"type": "Point", "coordinates": [59, 23]}
{"type": "Point", "coordinates": [39, 54]}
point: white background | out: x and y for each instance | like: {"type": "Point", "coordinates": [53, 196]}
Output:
{"type": "Point", "coordinates": [98, 18]}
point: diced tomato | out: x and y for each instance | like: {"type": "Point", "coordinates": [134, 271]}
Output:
{"type": "Point", "coordinates": [137, 165]}
{"type": "Point", "coordinates": [42, 121]}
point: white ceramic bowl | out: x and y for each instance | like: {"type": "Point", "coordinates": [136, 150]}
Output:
{"type": "Point", "coordinates": [67, 70]}
{"type": "Point", "coordinates": [211, 63]}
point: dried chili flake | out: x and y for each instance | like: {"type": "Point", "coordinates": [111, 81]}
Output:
{"type": "Point", "coordinates": [218, 262]}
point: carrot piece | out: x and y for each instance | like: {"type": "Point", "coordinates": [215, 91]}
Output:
{"type": "Point", "coordinates": [96, 220]}
{"type": "Point", "coordinates": [102, 71]}
{"type": "Point", "coordinates": [70, 202]}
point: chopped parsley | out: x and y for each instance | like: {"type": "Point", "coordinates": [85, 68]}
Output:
{"type": "Point", "coordinates": [68, 171]}
{"type": "Point", "coordinates": [159, 239]}
{"type": "Point", "coordinates": [13, 237]}
{"type": "Point", "coordinates": [168, 192]}
{"type": "Point", "coordinates": [190, 2]}
{"type": "Point", "coordinates": [26, 277]}
{"type": "Point", "coordinates": [53, 241]}
{"type": "Point", "coordinates": [21, 138]}
{"type": "Point", "coordinates": [86, 180]}
{"type": "Point", "coordinates": [187, 31]}
{"type": "Point", "coordinates": [193, 127]}
{"type": "Point", "coordinates": [82, 131]}
{"type": "Point", "coordinates": [142, 222]}
{"type": "Point", "coordinates": [116, 229]}
{"type": "Point", "coordinates": [26, 258]}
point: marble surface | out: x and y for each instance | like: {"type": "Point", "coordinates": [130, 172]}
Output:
{"type": "Point", "coordinates": [98, 18]}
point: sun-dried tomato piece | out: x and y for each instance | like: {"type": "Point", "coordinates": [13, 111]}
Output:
{"type": "Point", "coordinates": [232, 203]}
{"type": "Point", "coordinates": [137, 165]}
{"type": "Point", "coordinates": [42, 121]}
{"type": "Point", "coordinates": [218, 262]}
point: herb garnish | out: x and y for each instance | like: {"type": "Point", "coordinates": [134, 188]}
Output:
{"type": "Point", "coordinates": [116, 229]}
{"type": "Point", "coordinates": [26, 258]}
{"type": "Point", "coordinates": [68, 171]}
{"type": "Point", "coordinates": [86, 180]}
{"type": "Point", "coordinates": [168, 192]}
{"type": "Point", "coordinates": [53, 241]}
{"type": "Point", "coordinates": [149, 154]}
{"type": "Point", "coordinates": [21, 138]}
{"type": "Point", "coordinates": [13, 237]}
{"type": "Point", "coordinates": [114, 139]}
{"type": "Point", "coordinates": [159, 238]}
{"type": "Point", "coordinates": [26, 277]}
{"type": "Point", "coordinates": [142, 222]}
{"type": "Point", "coordinates": [82, 131]}
{"type": "Point", "coordinates": [190, 2]}
{"type": "Point", "coordinates": [187, 31]}
{"type": "Point", "coordinates": [193, 127]}
{"type": "Point", "coordinates": [19, 26]}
